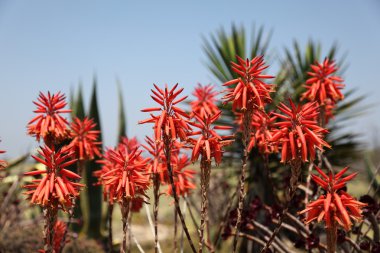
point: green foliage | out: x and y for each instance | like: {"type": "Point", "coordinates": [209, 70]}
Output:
{"type": "Point", "coordinates": [122, 130]}
{"type": "Point", "coordinates": [223, 48]}
{"type": "Point", "coordinates": [77, 106]}
{"type": "Point", "coordinates": [78, 110]}
{"type": "Point", "coordinates": [92, 207]}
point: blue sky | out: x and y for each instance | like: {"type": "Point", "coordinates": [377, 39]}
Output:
{"type": "Point", "coordinates": [53, 45]}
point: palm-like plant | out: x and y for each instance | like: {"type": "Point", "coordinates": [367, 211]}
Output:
{"type": "Point", "coordinates": [290, 83]}
{"type": "Point", "coordinates": [221, 49]}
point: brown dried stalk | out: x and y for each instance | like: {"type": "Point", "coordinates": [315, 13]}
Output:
{"type": "Point", "coordinates": [205, 181]}
{"type": "Point", "coordinates": [167, 150]}
{"type": "Point", "coordinates": [247, 119]}
{"type": "Point", "coordinates": [331, 233]}
{"type": "Point", "coordinates": [124, 206]}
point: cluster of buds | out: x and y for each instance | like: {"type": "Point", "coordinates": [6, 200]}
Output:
{"type": "Point", "coordinates": [249, 89]}
{"type": "Point", "coordinates": [49, 124]}
{"type": "Point", "coordinates": [324, 86]}
{"type": "Point", "coordinates": [123, 174]}
{"type": "Point", "coordinates": [336, 205]}
{"type": "Point", "coordinates": [209, 143]}
{"type": "Point", "coordinates": [298, 132]}
{"type": "Point", "coordinates": [57, 183]}
{"type": "Point", "coordinates": [84, 139]}
{"type": "Point", "coordinates": [204, 103]}
{"type": "Point", "coordinates": [172, 120]}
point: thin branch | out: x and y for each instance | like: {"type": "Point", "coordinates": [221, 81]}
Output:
{"type": "Point", "coordinates": [151, 224]}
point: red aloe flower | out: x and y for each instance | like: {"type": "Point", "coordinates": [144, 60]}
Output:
{"type": "Point", "coordinates": [336, 205]}
{"type": "Point", "coordinates": [56, 182]}
{"type": "Point", "coordinates": [125, 174]}
{"type": "Point", "coordinates": [156, 149]}
{"type": "Point", "coordinates": [323, 84]}
{"type": "Point", "coordinates": [261, 131]}
{"type": "Point", "coordinates": [298, 132]}
{"type": "Point", "coordinates": [182, 177]}
{"type": "Point", "coordinates": [209, 143]}
{"type": "Point", "coordinates": [205, 100]}
{"type": "Point", "coordinates": [49, 122]}
{"type": "Point", "coordinates": [85, 137]}
{"type": "Point", "coordinates": [249, 87]}
{"type": "Point", "coordinates": [172, 120]}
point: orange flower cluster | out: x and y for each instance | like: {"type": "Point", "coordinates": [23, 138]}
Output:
{"type": "Point", "coordinates": [181, 176]}
{"type": "Point", "coordinates": [323, 85]}
{"type": "Point", "coordinates": [49, 123]}
{"type": "Point", "coordinates": [298, 132]}
{"type": "Point", "coordinates": [172, 120]}
{"type": "Point", "coordinates": [336, 205]}
{"type": "Point", "coordinates": [124, 173]}
{"type": "Point", "coordinates": [155, 149]}
{"type": "Point", "coordinates": [249, 88]}
{"type": "Point", "coordinates": [210, 143]}
{"type": "Point", "coordinates": [205, 101]}
{"type": "Point", "coordinates": [84, 139]}
{"type": "Point", "coordinates": [262, 126]}
{"type": "Point", "coordinates": [56, 182]}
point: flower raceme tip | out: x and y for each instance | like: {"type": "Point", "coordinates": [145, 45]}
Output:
{"type": "Point", "coordinates": [84, 139]}
{"type": "Point", "coordinates": [57, 181]}
{"type": "Point", "coordinates": [171, 120]}
{"type": "Point", "coordinates": [124, 173]}
{"type": "Point", "coordinates": [323, 85]}
{"type": "Point", "coordinates": [209, 143]}
{"type": "Point", "coordinates": [297, 131]}
{"type": "Point", "coordinates": [248, 90]}
{"type": "Point", "coordinates": [335, 205]}
{"type": "Point", "coordinates": [205, 100]}
{"type": "Point", "coordinates": [49, 123]}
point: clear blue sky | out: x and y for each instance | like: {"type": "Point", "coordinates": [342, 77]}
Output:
{"type": "Point", "coordinates": [52, 45]}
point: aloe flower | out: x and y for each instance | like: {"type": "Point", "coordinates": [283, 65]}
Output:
{"type": "Point", "coordinates": [49, 124]}
{"type": "Point", "coordinates": [209, 143]}
{"type": "Point", "coordinates": [182, 177]}
{"type": "Point", "coordinates": [84, 139]}
{"type": "Point", "coordinates": [249, 87]}
{"type": "Point", "coordinates": [171, 120]}
{"type": "Point", "coordinates": [298, 132]}
{"type": "Point", "coordinates": [335, 205]}
{"type": "Point", "coordinates": [125, 175]}
{"type": "Point", "coordinates": [57, 182]}
{"type": "Point", "coordinates": [323, 83]}
{"type": "Point", "coordinates": [205, 100]}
